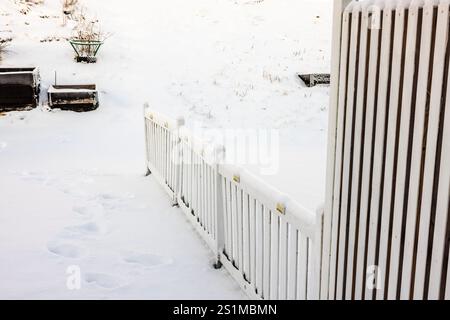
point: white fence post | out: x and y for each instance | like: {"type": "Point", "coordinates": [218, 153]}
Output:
{"type": "Point", "coordinates": [219, 154]}
{"type": "Point", "coordinates": [145, 109]}
{"type": "Point", "coordinates": [339, 6]}
{"type": "Point", "coordinates": [317, 254]}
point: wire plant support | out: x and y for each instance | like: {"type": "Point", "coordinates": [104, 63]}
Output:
{"type": "Point", "coordinates": [86, 50]}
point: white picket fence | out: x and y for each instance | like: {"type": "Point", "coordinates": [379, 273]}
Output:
{"type": "Point", "coordinates": [387, 209]}
{"type": "Point", "coordinates": [268, 243]}
{"type": "Point", "coordinates": [385, 229]}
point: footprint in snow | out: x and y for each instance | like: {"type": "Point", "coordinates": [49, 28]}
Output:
{"type": "Point", "coordinates": [66, 250]}
{"type": "Point", "coordinates": [37, 177]}
{"type": "Point", "coordinates": [85, 212]}
{"type": "Point", "coordinates": [147, 260]}
{"type": "Point", "coordinates": [104, 280]}
{"type": "Point", "coordinates": [87, 229]}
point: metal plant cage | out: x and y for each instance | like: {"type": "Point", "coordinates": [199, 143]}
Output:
{"type": "Point", "coordinates": [86, 50]}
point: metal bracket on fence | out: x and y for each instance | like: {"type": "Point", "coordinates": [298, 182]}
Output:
{"type": "Point", "coordinates": [236, 178]}
{"type": "Point", "coordinates": [281, 208]}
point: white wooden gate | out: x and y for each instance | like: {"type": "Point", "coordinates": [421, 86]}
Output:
{"type": "Point", "coordinates": [386, 226]}
{"type": "Point", "coordinates": [268, 243]}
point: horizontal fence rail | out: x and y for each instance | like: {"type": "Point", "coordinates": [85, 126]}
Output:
{"type": "Point", "coordinates": [268, 243]}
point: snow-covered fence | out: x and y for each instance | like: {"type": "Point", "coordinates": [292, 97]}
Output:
{"type": "Point", "coordinates": [267, 242]}
{"type": "Point", "coordinates": [386, 224]}
{"type": "Point", "coordinates": [161, 135]}
{"type": "Point", "coordinates": [198, 189]}
{"type": "Point", "coordinates": [270, 244]}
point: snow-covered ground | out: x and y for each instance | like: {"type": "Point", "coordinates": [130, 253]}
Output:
{"type": "Point", "coordinates": [72, 186]}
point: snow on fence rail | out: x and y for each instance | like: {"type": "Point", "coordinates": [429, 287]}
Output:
{"type": "Point", "coordinates": [268, 243]}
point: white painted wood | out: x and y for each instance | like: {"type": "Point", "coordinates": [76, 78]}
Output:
{"type": "Point", "coordinates": [229, 238]}
{"type": "Point", "coordinates": [243, 222]}
{"type": "Point", "coordinates": [259, 247]}
{"type": "Point", "coordinates": [292, 263]}
{"type": "Point", "coordinates": [266, 254]}
{"type": "Point", "coordinates": [356, 172]}
{"type": "Point", "coordinates": [402, 161]}
{"type": "Point", "coordinates": [283, 259]}
{"type": "Point", "coordinates": [442, 204]}
{"type": "Point", "coordinates": [253, 241]}
{"type": "Point", "coordinates": [338, 163]}
{"type": "Point", "coordinates": [379, 143]}
{"type": "Point", "coordinates": [310, 272]}
{"type": "Point", "coordinates": [447, 283]}
{"type": "Point", "coordinates": [302, 267]}
{"type": "Point", "coordinates": [274, 255]}
{"type": "Point", "coordinates": [220, 214]}
{"type": "Point", "coordinates": [240, 230]}
{"type": "Point", "coordinates": [431, 147]}
{"type": "Point", "coordinates": [348, 144]}
{"type": "Point", "coordinates": [390, 164]}
{"type": "Point", "coordinates": [246, 236]}
{"type": "Point", "coordinates": [234, 224]}
{"type": "Point", "coordinates": [367, 162]}
{"type": "Point", "coordinates": [339, 6]}
{"type": "Point", "coordinates": [416, 155]}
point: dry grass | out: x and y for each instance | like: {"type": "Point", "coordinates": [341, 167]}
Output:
{"type": "Point", "coordinates": [25, 6]}
{"type": "Point", "coordinates": [271, 77]}
{"type": "Point", "coordinates": [87, 29]}
{"type": "Point", "coordinates": [69, 6]}
{"type": "Point", "coordinates": [4, 43]}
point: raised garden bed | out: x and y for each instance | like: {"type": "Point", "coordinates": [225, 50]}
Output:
{"type": "Point", "coordinates": [19, 88]}
{"type": "Point", "coordinates": [79, 98]}
{"type": "Point", "coordinates": [313, 79]}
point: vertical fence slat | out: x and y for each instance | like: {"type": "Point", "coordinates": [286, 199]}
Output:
{"type": "Point", "coordinates": [391, 149]}
{"type": "Point", "coordinates": [274, 255]}
{"type": "Point", "coordinates": [259, 217]}
{"type": "Point", "coordinates": [283, 263]}
{"type": "Point", "coordinates": [292, 263]}
{"type": "Point", "coordinates": [246, 236]}
{"type": "Point", "coordinates": [266, 253]}
{"type": "Point", "coordinates": [431, 149]}
{"type": "Point", "coordinates": [230, 222]}
{"type": "Point", "coordinates": [410, 77]}
{"type": "Point", "coordinates": [385, 65]}
{"type": "Point", "coordinates": [416, 154]}
{"type": "Point", "coordinates": [334, 113]}
{"type": "Point", "coordinates": [442, 206]}
{"type": "Point", "coordinates": [240, 229]}
{"type": "Point", "coordinates": [302, 266]}
{"type": "Point", "coordinates": [253, 240]}
{"type": "Point", "coordinates": [355, 179]}
{"type": "Point", "coordinates": [347, 154]}
{"type": "Point", "coordinates": [339, 142]}
{"type": "Point", "coordinates": [234, 224]}
{"type": "Point", "coordinates": [310, 271]}
{"type": "Point", "coordinates": [372, 86]}
{"type": "Point", "coordinates": [447, 284]}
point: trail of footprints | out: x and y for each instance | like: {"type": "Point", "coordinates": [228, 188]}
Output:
{"type": "Point", "coordinates": [92, 212]}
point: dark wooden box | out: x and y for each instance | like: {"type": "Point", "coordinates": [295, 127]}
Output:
{"type": "Point", "coordinates": [19, 88]}
{"type": "Point", "coordinates": [313, 79]}
{"type": "Point", "coordinates": [79, 98]}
